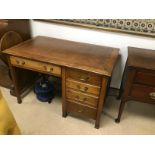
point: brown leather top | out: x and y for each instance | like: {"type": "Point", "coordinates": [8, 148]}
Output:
{"type": "Point", "coordinates": [89, 57]}
{"type": "Point", "coordinates": [142, 58]}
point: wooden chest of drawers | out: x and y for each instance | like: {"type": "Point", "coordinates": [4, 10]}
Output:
{"type": "Point", "coordinates": [139, 78]}
{"type": "Point", "coordinates": [83, 92]}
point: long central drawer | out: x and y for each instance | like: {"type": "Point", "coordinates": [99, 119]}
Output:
{"type": "Point", "coordinates": [36, 65]}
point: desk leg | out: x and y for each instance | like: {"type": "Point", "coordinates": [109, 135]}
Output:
{"type": "Point", "coordinates": [64, 108]}
{"type": "Point", "coordinates": [121, 108]}
{"type": "Point", "coordinates": [101, 101]}
{"type": "Point", "coordinates": [14, 78]}
{"type": "Point", "coordinates": [122, 82]}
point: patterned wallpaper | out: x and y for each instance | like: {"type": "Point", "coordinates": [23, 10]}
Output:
{"type": "Point", "coordinates": [144, 26]}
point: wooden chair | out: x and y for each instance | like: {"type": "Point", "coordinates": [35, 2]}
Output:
{"type": "Point", "coordinates": [8, 40]}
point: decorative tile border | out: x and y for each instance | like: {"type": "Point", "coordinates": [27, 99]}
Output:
{"type": "Point", "coordinates": [145, 27]}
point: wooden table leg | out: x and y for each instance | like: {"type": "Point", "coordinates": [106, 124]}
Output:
{"type": "Point", "coordinates": [101, 101]}
{"type": "Point", "coordinates": [122, 82]}
{"type": "Point", "coordinates": [121, 108]}
{"type": "Point", "coordinates": [14, 78]}
{"type": "Point", "coordinates": [64, 108]}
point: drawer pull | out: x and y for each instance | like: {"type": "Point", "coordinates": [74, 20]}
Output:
{"type": "Point", "coordinates": [84, 79]}
{"type": "Point", "coordinates": [152, 95]}
{"type": "Point", "coordinates": [84, 99]}
{"type": "Point", "coordinates": [86, 88]}
{"type": "Point", "coordinates": [78, 86]}
{"type": "Point", "coordinates": [77, 97]}
{"type": "Point", "coordinates": [80, 110]}
{"type": "Point", "coordinates": [51, 69]}
{"type": "Point", "coordinates": [45, 68]}
{"type": "Point", "coordinates": [23, 62]}
{"type": "Point", "coordinates": [17, 61]}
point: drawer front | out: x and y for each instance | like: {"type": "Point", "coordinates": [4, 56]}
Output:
{"type": "Point", "coordinates": [39, 66]}
{"type": "Point", "coordinates": [145, 78]}
{"type": "Point", "coordinates": [143, 92]}
{"type": "Point", "coordinates": [82, 97]}
{"type": "Point", "coordinates": [83, 76]}
{"type": "Point", "coordinates": [83, 87]}
{"type": "Point", "coordinates": [81, 109]}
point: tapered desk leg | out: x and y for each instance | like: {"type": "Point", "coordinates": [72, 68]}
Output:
{"type": "Point", "coordinates": [15, 81]}
{"type": "Point", "coordinates": [121, 108]}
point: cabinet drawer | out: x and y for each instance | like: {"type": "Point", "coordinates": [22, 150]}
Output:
{"type": "Point", "coordinates": [83, 76]}
{"type": "Point", "coordinates": [81, 109]}
{"type": "Point", "coordinates": [38, 66]}
{"type": "Point", "coordinates": [83, 87]}
{"type": "Point", "coordinates": [145, 78]}
{"type": "Point", "coordinates": [143, 92]}
{"type": "Point", "coordinates": [82, 97]}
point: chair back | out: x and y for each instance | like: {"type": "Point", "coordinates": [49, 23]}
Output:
{"type": "Point", "coordinates": [8, 40]}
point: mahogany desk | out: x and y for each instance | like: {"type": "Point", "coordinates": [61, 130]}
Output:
{"type": "Point", "coordinates": [85, 70]}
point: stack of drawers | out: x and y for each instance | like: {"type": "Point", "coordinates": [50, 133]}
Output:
{"type": "Point", "coordinates": [82, 92]}
{"type": "Point", "coordinates": [143, 86]}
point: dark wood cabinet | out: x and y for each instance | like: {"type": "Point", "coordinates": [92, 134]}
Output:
{"type": "Point", "coordinates": [138, 81]}
{"type": "Point", "coordinates": [22, 27]}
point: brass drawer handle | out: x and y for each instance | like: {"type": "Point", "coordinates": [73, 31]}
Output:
{"type": "Point", "coordinates": [77, 97]}
{"type": "Point", "coordinates": [78, 86]}
{"type": "Point", "coordinates": [84, 79]}
{"type": "Point", "coordinates": [17, 62]}
{"type": "Point", "coordinates": [80, 110]}
{"type": "Point", "coordinates": [51, 69]}
{"type": "Point", "coordinates": [86, 88]}
{"type": "Point", "coordinates": [45, 68]}
{"type": "Point", "coordinates": [152, 95]}
{"type": "Point", "coordinates": [23, 62]}
{"type": "Point", "coordinates": [85, 99]}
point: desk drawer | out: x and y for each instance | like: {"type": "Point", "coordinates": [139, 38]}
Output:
{"type": "Point", "coordinates": [81, 109]}
{"type": "Point", "coordinates": [83, 76]}
{"type": "Point", "coordinates": [143, 92]}
{"type": "Point", "coordinates": [83, 87]}
{"type": "Point", "coordinates": [145, 78]}
{"type": "Point", "coordinates": [35, 65]}
{"type": "Point", "coordinates": [83, 98]}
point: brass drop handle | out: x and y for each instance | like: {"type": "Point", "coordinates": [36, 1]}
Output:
{"type": "Point", "coordinates": [85, 99]}
{"type": "Point", "coordinates": [80, 110]}
{"type": "Point", "coordinates": [77, 97]}
{"type": "Point", "coordinates": [51, 69]}
{"type": "Point", "coordinates": [78, 86]}
{"type": "Point", "coordinates": [23, 62]}
{"type": "Point", "coordinates": [84, 79]}
{"type": "Point", "coordinates": [86, 88]}
{"type": "Point", "coordinates": [45, 67]}
{"type": "Point", "coordinates": [152, 95]}
{"type": "Point", "coordinates": [17, 61]}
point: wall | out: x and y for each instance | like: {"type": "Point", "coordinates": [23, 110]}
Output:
{"type": "Point", "coordinates": [98, 37]}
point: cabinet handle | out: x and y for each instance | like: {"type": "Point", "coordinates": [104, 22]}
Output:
{"type": "Point", "coordinates": [85, 99]}
{"type": "Point", "coordinates": [84, 79]}
{"type": "Point", "coordinates": [80, 110]}
{"type": "Point", "coordinates": [78, 86]}
{"type": "Point", "coordinates": [23, 62]}
{"type": "Point", "coordinates": [77, 97]}
{"type": "Point", "coordinates": [152, 95]}
{"type": "Point", "coordinates": [45, 68]}
{"type": "Point", "coordinates": [86, 88]}
{"type": "Point", "coordinates": [17, 61]}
